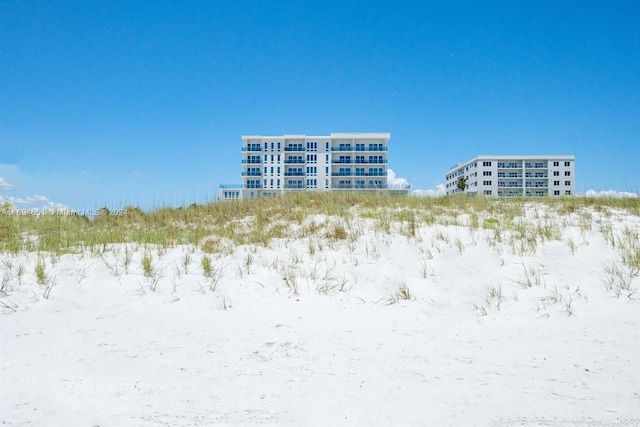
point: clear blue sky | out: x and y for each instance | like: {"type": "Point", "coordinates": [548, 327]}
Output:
{"type": "Point", "coordinates": [144, 103]}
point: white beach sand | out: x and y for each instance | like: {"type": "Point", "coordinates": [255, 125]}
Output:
{"type": "Point", "coordinates": [473, 343]}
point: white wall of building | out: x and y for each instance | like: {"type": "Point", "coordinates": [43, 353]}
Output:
{"type": "Point", "coordinates": [515, 176]}
{"type": "Point", "coordinates": [274, 164]}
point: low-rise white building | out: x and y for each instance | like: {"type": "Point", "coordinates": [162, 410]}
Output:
{"type": "Point", "coordinates": [272, 165]}
{"type": "Point", "coordinates": [514, 176]}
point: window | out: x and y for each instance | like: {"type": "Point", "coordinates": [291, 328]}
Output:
{"type": "Point", "coordinates": [272, 157]}
{"type": "Point", "coordinates": [567, 164]}
{"type": "Point", "coordinates": [556, 173]}
{"type": "Point", "coordinates": [278, 183]}
{"type": "Point", "coordinates": [278, 147]}
{"type": "Point", "coordinates": [272, 146]}
{"type": "Point", "coordinates": [556, 164]}
{"type": "Point", "coordinates": [278, 170]}
{"type": "Point", "coordinates": [486, 173]}
{"type": "Point", "coordinates": [567, 183]}
{"type": "Point", "coordinates": [265, 147]}
{"type": "Point", "coordinates": [556, 182]}
{"type": "Point", "coordinates": [567, 173]}
{"type": "Point", "coordinates": [567, 193]}
{"type": "Point", "coordinates": [556, 192]}
{"type": "Point", "coordinates": [486, 182]}
{"type": "Point", "coordinates": [486, 163]}
{"type": "Point", "coordinates": [278, 158]}
{"type": "Point", "coordinates": [487, 192]}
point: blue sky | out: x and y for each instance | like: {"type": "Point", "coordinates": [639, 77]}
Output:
{"type": "Point", "coordinates": [144, 103]}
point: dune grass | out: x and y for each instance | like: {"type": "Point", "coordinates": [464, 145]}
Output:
{"type": "Point", "coordinates": [214, 226]}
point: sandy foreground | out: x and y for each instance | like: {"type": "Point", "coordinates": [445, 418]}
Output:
{"type": "Point", "coordinates": [449, 327]}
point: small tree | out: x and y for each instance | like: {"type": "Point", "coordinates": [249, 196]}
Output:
{"type": "Point", "coordinates": [462, 183]}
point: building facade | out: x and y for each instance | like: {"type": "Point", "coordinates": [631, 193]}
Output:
{"type": "Point", "coordinates": [272, 165]}
{"type": "Point", "coordinates": [514, 176]}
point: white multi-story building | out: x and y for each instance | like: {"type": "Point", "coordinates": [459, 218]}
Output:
{"type": "Point", "coordinates": [514, 176]}
{"type": "Point", "coordinates": [347, 161]}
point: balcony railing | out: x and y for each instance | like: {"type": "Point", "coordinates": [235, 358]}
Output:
{"type": "Point", "coordinates": [294, 186]}
{"type": "Point", "coordinates": [360, 162]}
{"type": "Point", "coordinates": [535, 166]}
{"type": "Point", "coordinates": [251, 162]}
{"type": "Point", "coordinates": [509, 185]}
{"type": "Point", "coordinates": [515, 193]}
{"type": "Point", "coordinates": [255, 148]}
{"type": "Point", "coordinates": [371, 186]}
{"type": "Point", "coordinates": [358, 149]}
{"type": "Point", "coordinates": [536, 175]}
{"type": "Point", "coordinates": [252, 173]}
{"type": "Point", "coordinates": [294, 161]}
{"type": "Point", "coordinates": [509, 165]}
{"type": "Point", "coordinates": [351, 173]}
{"type": "Point", "coordinates": [294, 174]}
{"type": "Point", "coordinates": [509, 175]}
{"type": "Point", "coordinates": [536, 185]}
{"type": "Point", "coordinates": [294, 148]}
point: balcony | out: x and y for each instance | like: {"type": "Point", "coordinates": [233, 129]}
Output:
{"type": "Point", "coordinates": [360, 162]}
{"type": "Point", "coordinates": [535, 165]}
{"type": "Point", "coordinates": [536, 185]}
{"type": "Point", "coordinates": [510, 193]}
{"type": "Point", "coordinates": [294, 161]}
{"type": "Point", "coordinates": [509, 165]}
{"type": "Point", "coordinates": [294, 148]}
{"type": "Point", "coordinates": [251, 162]}
{"type": "Point", "coordinates": [509, 175]}
{"type": "Point", "coordinates": [294, 174]}
{"type": "Point", "coordinates": [509, 184]}
{"type": "Point", "coordinates": [252, 173]}
{"type": "Point", "coordinates": [252, 148]}
{"type": "Point", "coordinates": [294, 186]}
{"type": "Point", "coordinates": [358, 149]}
{"type": "Point", "coordinates": [536, 175]}
{"type": "Point", "coordinates": [357, 186]}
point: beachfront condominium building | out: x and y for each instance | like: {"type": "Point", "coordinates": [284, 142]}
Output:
{"type": "Point", "coordinates": [514, 176]}
{"type": "Point", "coordinates": [272, 165]}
